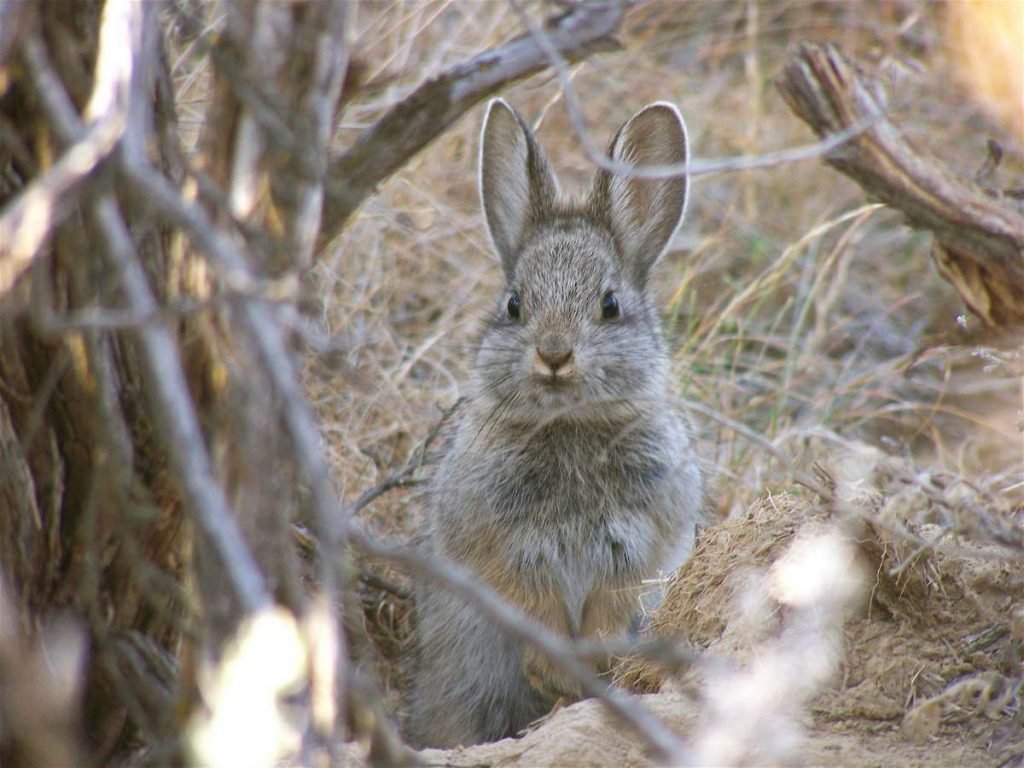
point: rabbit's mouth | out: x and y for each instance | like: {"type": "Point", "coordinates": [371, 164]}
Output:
{"type": "Point", "coordinates": [555, 383]}
{"type": "Point", "coordinates": [556, 393]}
{"type": "Point", "coordinates": [567, 402]}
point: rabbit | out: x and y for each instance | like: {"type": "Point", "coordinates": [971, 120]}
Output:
{"type": "Point", "coordinates": [569, 478]}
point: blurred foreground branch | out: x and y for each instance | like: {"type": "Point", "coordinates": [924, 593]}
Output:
{"type": "Point", "coordinates": [416, 121]}
{"type": "Point", "coordinates": [979, 237]}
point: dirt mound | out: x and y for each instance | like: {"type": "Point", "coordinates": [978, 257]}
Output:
{"type": "Point", "coordinates": [585, 736]}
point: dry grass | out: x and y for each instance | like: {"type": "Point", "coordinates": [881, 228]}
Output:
{"type": "Point", "coordinates": [795, 307]}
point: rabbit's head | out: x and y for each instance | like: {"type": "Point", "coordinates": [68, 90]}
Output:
{"type": "Point", "coordinates": [575, 334]}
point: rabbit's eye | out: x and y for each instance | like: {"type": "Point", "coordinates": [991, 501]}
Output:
{"type": "Point", "coordinates": [609, 306]}
{"type": "Point", "coordinates": [513, 306]}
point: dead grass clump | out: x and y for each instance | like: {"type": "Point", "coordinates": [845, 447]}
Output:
{"type": "Point", "coordinates": [697, 604]}
{"type": "Point", "coordinates": [937, 646]}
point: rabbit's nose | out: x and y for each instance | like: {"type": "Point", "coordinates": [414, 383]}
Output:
{"type": "Point", "coordinates": [555, 351]}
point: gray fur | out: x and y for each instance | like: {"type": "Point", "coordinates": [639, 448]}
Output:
{"type": "Point", "coordinates": [570, 478]}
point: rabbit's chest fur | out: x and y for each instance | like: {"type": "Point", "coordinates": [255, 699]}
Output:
{"type": "Point", "coordinates": [566, 519]}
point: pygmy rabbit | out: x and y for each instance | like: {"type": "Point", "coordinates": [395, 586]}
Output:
{"type": "Point", "coordinates": [570, 478]}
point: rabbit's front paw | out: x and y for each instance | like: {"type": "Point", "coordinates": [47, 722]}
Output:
{"type": "Point", "coordinates": [548, 680]}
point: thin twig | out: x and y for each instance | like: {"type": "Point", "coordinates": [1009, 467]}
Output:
{"type": "Point", "coordinates": [690, 167]}
{"type": "Point", "coordinates": [803, 478]}
{"type": "Point", "coordinates": [260, 98]}
{"type": "Point", "coordinates": [318, 63]}
{"type": "Point", "coordinates": [27, 221]}
{"type": "Point", "coordinates": [373, 581]}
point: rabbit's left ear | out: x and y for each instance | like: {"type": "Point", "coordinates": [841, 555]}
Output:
{"type": "Point", "coordinates": [643, 214]}
{"type": "Point", "coordinates": [517, 186]}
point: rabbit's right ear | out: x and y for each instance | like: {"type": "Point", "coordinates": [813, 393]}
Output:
{"type": "Point", "coordinates": [643, 214]}
{"type": "Point", "coordinates": [517, 185]}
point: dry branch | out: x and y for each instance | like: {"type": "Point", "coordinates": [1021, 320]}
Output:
{"type": "Point", "coordinates": [979, 237]}
{"type": "Point", "coordinates": [419, 119]}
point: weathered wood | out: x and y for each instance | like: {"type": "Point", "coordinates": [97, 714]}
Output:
{"type": "Point", "coordinates": [979, 236]}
